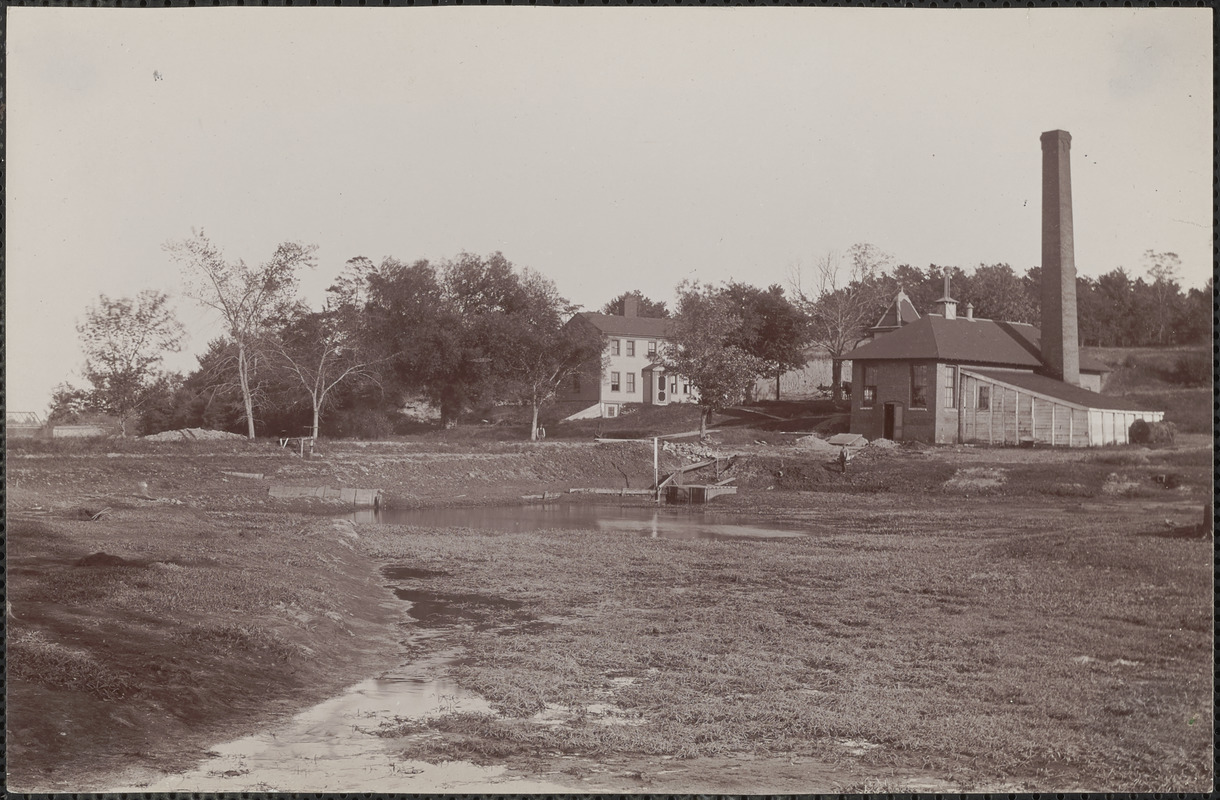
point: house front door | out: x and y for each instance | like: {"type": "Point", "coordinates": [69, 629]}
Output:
{"type": "Point", "coordinates": [892, 427]}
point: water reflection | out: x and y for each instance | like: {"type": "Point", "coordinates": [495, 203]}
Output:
{"type": "Point", "coordinates": [656, 523]}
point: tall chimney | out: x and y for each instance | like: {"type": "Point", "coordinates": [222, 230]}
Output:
{"type": "Point", "coordinates": [631, 306]}
{"type": "Point", "coordinates": [1060, 341]}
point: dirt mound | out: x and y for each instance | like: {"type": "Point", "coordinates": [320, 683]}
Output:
{"type": "Point", "coordinates": [884, 444]}
{"type": "Point", "coordinates": [104, 559]}
{"type": "Point", "coordinates": [816, 445]}
{"type": "Point", "coordinates": [191, 434]}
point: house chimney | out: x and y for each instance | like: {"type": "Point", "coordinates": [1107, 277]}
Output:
{"type": "Point", "coordinates": [631, 306]}
{"type": "Point", "coordinates": [1060, 342]}
{"type": "Point", "coordinates": [948, 306]}
{"type": "Point", "coordinates": [969, 310]}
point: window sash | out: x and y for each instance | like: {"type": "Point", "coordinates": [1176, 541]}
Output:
{"type": "Point", "coordinates": [615, 346]}
{"type": "Point", "coordinates": [615, 381]}
{"type": "Point", "coordinates": [631, 381]}
{"type": "Point", "coordinates": [868, 398]}
{"type": "Point", "coordinates": [919, 386]}
{"type": "Point", "coordinates": [630, 347]}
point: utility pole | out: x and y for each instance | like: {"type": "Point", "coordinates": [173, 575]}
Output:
{"type": "Point", "coordinates": [656, 465]}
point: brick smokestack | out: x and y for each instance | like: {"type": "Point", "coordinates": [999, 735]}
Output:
{"type": "Point", "coordinates": [631, 306]}
{"type": "Point", "coordinates": [1060, 340]}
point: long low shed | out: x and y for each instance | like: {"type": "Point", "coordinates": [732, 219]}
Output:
{"type": "Point", "coordinates": [1010, 410]}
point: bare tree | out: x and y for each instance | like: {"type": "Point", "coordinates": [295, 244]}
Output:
{"type": "Point", "coordinates": [841, 299]}
{"type": "Point", "coordinates": [245, 297]}
{"type": "Point", "coordinates": [320, 350]}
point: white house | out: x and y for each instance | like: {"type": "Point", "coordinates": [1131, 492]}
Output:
{"type": "Point", "coordinates": [630, 375]}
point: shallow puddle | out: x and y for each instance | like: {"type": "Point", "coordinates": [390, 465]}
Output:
{"type": "Point", "coordinates": [334, 746]}
{"type": "Point", "coordinates": [658, 523]}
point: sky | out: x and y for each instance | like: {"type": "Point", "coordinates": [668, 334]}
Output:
{"type": "Point", "coordinates": [609, 149]}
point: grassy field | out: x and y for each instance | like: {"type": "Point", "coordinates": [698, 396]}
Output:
{"type": "Point", "coordinates": [1025, 645]}
{"type": "Point", "coordinates": [974, 617]}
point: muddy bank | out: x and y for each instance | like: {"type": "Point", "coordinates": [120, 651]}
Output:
{"type": "Point", "coordinates": [142, 638]}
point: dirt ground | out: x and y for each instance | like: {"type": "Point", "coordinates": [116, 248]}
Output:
{"type": "Point", "coordinates": [965, 617]}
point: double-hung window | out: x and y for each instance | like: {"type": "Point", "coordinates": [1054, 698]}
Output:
{"type": "Point", "coordinates": [868, 398]}
{"type": "Point", "coordinates": [631, 382]}
{"type": "Point", "coordinates": [950, 388]}
{"type": "Point", "coordinates": [919, 385]}
{"type": "Point", "coordinates": [614, 381]}
{"type": "Point", "coordinates": [631, 347]}
{"type": "Point", "coordinates": [652, 347]}
{"type": "Point", "coordinates": [615, 344]}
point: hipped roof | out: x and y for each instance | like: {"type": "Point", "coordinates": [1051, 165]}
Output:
{"type": "Point", "coordinates": [1033, 382]}
{"type": "Point", "coordinates": [617, 325]}
{"type": "Point", "coordinates": [962, 340]}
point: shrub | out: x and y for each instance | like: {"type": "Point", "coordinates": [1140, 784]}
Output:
{"type": "Point", "coordinates": [1191, 369]}
{"type": "Point", "coordinates": [361, 423]}
{"type": "Point", "coordinates": [1143, 432]}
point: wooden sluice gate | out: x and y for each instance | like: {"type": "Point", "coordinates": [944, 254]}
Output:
{"type": "Point", "coordinates": [696, 493]}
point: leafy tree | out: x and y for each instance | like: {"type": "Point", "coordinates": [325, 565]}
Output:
{"type": "Point", "coordinates": [646, 307]}
{"type": "Point", "coordinates": [997, 292]}
{"type": "Point", "coordinates": [534, 352]}
{"type": "Point", "coordinates": [772, 328]}
{"type": "Point", "coordinates": [704, 349]}
{"type": "Point", "coordinates": [444, 325]}
{"type": "Point", "coordinates": [124, 342]}
{"type": "Point", "coordinates": [1164, 292]}
{"type": "Point", "coordinates": [245, 297]}
{"type": "Point", "coordinates": [1194, 324]}
{"type": "Point", "coordinates": [841, 300]}
{"type": "Point", "coordinates": [423, 336]}
{"type": "Point", "coordinates": [922, 286]}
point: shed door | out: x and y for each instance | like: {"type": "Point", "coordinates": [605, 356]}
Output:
{"type": "Point", "coordinates": [892, 428]}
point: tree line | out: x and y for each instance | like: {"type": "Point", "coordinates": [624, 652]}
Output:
{"type": "Point", "coordinates": [473, 330]}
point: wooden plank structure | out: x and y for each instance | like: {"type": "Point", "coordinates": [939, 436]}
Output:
{"type": "Point", "coordinates": [356, 497]}
{"type": "Point", "coordinates": [1017, 415]}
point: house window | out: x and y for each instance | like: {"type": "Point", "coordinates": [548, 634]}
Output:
{"type": "Point", "coordinates": [630, 381]}
{"type": "Point", "coordinates": [984, 400]}
{"type": "Point", "coordinates": [652, 348]}
{"type": "Point", "coordinates": [631, 347]}
{"type": "Point", "coordinates": [611, 411]}
{"type": "Point", "coordinates": [869, 398]}
{"type": "Point", "coordinates": [614, 347]}
{"type": "Point", "coordinates": [686, 388]}
{"type": "Point", "coordinates": [614, 381]}
{"type": "Point", "coordinates": [950, 388]}
{"type": "Point", "coordinates": [673, 385]}
{"type": "Point", "coordinates": [919, 386]}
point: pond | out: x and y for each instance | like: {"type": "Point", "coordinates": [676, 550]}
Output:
{"type": "Point", "coordinates": [654, 522]}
